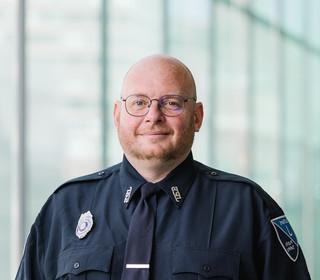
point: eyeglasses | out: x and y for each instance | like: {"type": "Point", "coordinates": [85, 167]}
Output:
{"type": "Point", "coordinates": [138, 105]}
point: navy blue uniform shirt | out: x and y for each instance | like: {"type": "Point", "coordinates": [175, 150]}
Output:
{"type": "Point", "coordinates": [209, 225]}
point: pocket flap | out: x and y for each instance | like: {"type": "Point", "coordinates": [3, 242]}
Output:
{"type": "Point", "coordinates": [207, 263]}
{"type": "Point", "coordinates": [77, 260]}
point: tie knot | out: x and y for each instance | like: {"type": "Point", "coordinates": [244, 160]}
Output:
{"type": "Point", "coordinates": [148, 189]}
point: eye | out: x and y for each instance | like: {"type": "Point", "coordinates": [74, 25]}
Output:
{"type": "Point", "coordinates": [140, 102]}
{"type": "Point", "coordinates": [172, 103]}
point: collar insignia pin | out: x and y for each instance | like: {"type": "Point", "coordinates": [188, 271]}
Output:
{"type": "Point", "coordinates": [85, 224]}
{"type": "Point", "coordinates": [127, 196]}
{"type": "Point", "coordinates": [176, 193]}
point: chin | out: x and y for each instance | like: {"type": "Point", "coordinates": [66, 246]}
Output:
{"type": "Point", "coordinates": [157, 156]}
{"type": "Point", "coordinates": [153, 154]}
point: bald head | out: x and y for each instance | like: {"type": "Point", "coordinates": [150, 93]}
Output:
{"type": "Point", "coordinates": [159, 69]}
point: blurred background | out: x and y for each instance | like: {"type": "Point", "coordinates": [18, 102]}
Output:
{"type": "Point", "coordinates": [257, 68]}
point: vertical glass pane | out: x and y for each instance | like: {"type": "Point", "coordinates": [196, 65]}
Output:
{"type": "Point", "coordinates": [294, 17]}
{"type": "Point", "coordinates": [266, 9]}
{"type": "Point", "coordinates": [241, 2]}
{"type": "Point", "coordinates": [8, 93]}
{"type": "Point", "coordinates": [232, 86]}
{"type": "Point", "coordinates": [265, 107]}
{"type": "Point", "coordinates": [314, 24]}
{"type": "Point", "coordinates": [64, 95]}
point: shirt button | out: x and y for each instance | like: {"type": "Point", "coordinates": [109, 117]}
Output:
{"type": "Point", "coordinates": [76, 265]}
{"type": "Point", "coordinates": [101, 173]}
{"type": "Point", "coordinates": [206, 268]}
{"type": "Point", "coordinates": [213, 173]}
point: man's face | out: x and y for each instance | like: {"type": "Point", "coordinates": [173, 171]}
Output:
{"type": "Point", "coordinates": [156, 136]}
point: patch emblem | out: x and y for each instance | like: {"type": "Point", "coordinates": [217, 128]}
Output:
{"type": "Point", "coordinates": [85, 224]}
{"type": "Point", "coordinates": [286, 237]}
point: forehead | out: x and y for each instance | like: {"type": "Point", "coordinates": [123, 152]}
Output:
{"type": "Point", "coordinates": [156, 75]}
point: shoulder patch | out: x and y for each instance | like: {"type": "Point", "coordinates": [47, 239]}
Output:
{"type": "Point", "coordinates": [286, 237]}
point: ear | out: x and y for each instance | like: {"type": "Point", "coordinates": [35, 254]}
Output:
{"type": "Point", "coordinates": [116, 113]}
{"type": "Point", "coordinates": [198, 116]}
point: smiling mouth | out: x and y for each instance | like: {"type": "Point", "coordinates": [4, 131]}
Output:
{"type": "Point", "coordinates": [154, 134]}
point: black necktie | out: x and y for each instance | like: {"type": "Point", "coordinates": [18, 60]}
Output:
{"type": "Point", "coordinates": [140, 236]}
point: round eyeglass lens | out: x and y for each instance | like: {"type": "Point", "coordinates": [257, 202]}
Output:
{"type": "Point", "coordinates": [137, 105]}
{"type": "Point", "coordinates": [172, 105]}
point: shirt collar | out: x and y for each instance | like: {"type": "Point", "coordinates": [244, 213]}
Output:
{"type": "Point", "coordinates": [130, 180]}
{"type": "Point", "coordinates": [176, 184]}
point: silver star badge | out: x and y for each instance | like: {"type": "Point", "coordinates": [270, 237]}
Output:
{"type": "Point", "coordinates": [85, 224]}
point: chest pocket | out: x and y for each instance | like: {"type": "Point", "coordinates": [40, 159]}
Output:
{"type": "Point", "coordinates": [193, 264]}
{"type": "Point", "coordinates": [84, 263]}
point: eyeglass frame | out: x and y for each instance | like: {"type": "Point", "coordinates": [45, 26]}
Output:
{"type": "Point", "coordinates": [185, 99]}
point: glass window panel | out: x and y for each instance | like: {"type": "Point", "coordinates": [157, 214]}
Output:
{"type": "Point", "coordinates": [8, 122]}
{"type": "Point", "coordinates": [267, 9]}
{"type": "Point", "coordinates": [265, 107]}
{"type": "Point", "coordinates": [314, 23]}
{"type": "Point", "coordinates": [63, 90]}
{"type": "Point", "coordinates": [232, 85]}
{"type": "Point", "coordinates": [242, 2]}
{"type": "Point", "coordinates": [294, 17]}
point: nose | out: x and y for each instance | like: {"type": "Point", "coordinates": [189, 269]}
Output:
{"type": "Point", "coordinates": [154, 114]}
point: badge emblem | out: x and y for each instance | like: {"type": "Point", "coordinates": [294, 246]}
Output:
{"type": "Point", "coordinates": [176, 193]}
{"type": "Point", "coordinates": [85, 224]}
{"type": "Point", "coordinates": [286, 237]}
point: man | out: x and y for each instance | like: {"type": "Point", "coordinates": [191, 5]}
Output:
{"type": "Point", "coordinates": [159, 214]}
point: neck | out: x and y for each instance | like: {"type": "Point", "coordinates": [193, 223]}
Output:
{"type": "Point", "coordinates": [154, 170]}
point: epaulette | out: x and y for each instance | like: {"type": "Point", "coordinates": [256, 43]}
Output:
{"type": "Point", "coordinates": [99, 175]}
{"type": "Point", "coordinates": [218, 175]}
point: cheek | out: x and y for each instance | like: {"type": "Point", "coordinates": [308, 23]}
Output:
{"type": "Point", "coordinates": [183, 128]}
{"type": "Point", "coordinates": [128, 125]}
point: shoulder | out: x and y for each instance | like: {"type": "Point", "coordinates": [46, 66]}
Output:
{"type": "Point", "coordinates": [75, 193]}
{"type": "Point", "coordinates": [92, 178]}
{"type": "Point", "coordinates": [223, 176]}
{"type": "Point", "coordinates": [239, 183]}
